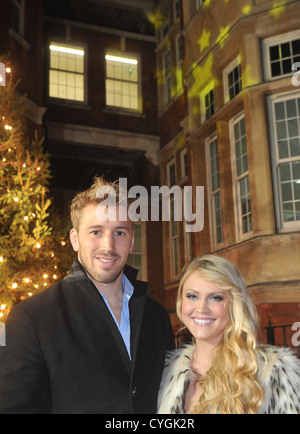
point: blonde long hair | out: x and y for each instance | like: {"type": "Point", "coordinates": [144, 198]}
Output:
{"type": "Point", "coordinates": [231, 385]}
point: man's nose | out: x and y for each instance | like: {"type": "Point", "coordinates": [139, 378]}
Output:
{"type": "Point", "coordinates": [107, 244]}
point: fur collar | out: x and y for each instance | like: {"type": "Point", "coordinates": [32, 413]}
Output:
{"type": "Point", "coordinates": [279, 374]}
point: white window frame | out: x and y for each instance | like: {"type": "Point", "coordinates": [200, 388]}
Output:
{"type": "Point", "coordinates": [184, 170]}
{"type": "Point", "coordinates": [211, 193]}
{"type": "Point", "coordinates": [127, 56]}
{"type": "Point", "coordinates": [70, 46]}
{"type": "Point", "coordinates": [165, 29]}
{"type": "Point", "coordinates": [176, 9]}
{"type": "Point", "coordinates": [237, 180]}
{"type": "Point", "coordinates": [142, 275]}
{"type": "Point", "coordinates": [210, 87]}
{"type": "Point", "coordinates": [271, 42]}
{"type": "Point", "coordinates": [173, 224]}
{"type": "Point", "coordinates": [235, 63]}
{"type": "Point", "coordinates": [282, 226]}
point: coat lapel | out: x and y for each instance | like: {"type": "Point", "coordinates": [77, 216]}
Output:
{"type": "Point", "coordinates": [98, 313]}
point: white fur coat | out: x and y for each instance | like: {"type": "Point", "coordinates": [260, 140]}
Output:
{"type": "Point", "coordinates": [279, 376]}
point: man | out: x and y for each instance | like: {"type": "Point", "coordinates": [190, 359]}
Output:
{"type": "Point", "coordinates": [94, 342]}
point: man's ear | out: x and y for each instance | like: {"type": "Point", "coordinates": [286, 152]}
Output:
{"type": "Point", "coordinates": [74, 239]}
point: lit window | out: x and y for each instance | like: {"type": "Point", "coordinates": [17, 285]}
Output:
{"type": "Point", "coordinates": [66, 75]}
{"type": "Point", "coordinates": [122, 81]}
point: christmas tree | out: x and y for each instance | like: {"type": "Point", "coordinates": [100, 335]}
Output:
{"type": "Point", "coordinates": [33, 253]}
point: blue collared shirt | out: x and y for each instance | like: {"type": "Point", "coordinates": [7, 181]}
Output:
{"type": "Point", "coordinates": [124, 327]}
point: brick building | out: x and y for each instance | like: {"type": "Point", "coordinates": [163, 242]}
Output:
{"type": "Point", "coordinates": [236, 131]}
{"type": "Point", "coordinates": [89, 72]}
{"type": "Point", "coordinates": [176, 92]}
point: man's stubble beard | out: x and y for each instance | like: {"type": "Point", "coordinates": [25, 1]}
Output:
{"type": "Point", "coordinates": [104, 276]}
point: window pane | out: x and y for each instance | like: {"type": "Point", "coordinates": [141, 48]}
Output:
{"type": "Point", "coordinates": [122, 86]}
{"type": "Point", "coordinates": [66, 72]}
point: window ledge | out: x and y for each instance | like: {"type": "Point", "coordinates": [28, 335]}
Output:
{"type": "Point", "coordinates": [119, 111]}
{"type": "Point", "coordinates": [19, 39]}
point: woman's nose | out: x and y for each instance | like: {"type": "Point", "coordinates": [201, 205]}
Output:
{"type": "Point", "coordinates": [202, 306]}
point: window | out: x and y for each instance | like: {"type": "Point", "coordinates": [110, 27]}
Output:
{"type": "Point", "coordinates": [232, 77]}
{"type": "Point", "coordinates": [207, 102]}
{"type": "Point", "coordinates": [122, 81]}
{"type": "Point", "coordinates": [137, 258]}
{"type": "Point", "coordinates": [171, 174]}
{"type": "Point", "coordinates": [17, 17]}
{"type": "Point", "coordinates": [168, 76]}
{"type": "Point", "coordinates": [241, 177]}
{"type": "Point", "coordinates": [214, 191]}
{"type": "Point", "coordinates": [184, 163]}
{"type": "Point", "coordinates": [177, 10]}
{"type": "Point", "coordinates": [165, 29]}
{"type": "Point", "coordinates": [281, 53]}
{"type": "Point", "coordinates": [174, 241]}
{"type": "Point", "coordinates": [66, 75]}
{"type": "Point", "coordinates": [285, 126]}
{"type": "Point", "coordinates": [173, 225]}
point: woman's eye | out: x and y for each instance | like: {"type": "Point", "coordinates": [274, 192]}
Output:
{"type": "Point", "coordinates": [192, 296]}
{"type": "Point", "coordinates": [218, 298]}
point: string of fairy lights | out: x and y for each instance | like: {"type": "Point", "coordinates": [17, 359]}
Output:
{"type": "Point", "coordinates": [47, 277]}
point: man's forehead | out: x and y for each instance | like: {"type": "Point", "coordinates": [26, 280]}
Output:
{"type": "Point", "coordinates": [102, 215]}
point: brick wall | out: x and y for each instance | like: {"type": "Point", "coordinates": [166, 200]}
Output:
{"type": "Point", "coordinates": [280, 314]}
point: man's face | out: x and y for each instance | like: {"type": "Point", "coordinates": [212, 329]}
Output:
{"type": "Point", "coordinates": [103, 246]}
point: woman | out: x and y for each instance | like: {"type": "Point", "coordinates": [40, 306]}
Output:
{"type": "Point", "coordinates": [225, 370]}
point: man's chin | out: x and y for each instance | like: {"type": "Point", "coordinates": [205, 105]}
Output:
{"type": "Point", "coordinates": [106, 276]}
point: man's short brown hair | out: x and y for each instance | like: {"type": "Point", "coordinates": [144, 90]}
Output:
{"type": "Point", "coordinates": [91, 197]}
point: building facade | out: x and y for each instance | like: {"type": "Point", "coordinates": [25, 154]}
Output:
{"type": "Point", "coordinates": [89, 72]}
{"type": "Point", "coordinates": [237, 128]}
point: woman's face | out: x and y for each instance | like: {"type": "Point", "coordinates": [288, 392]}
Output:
{"type": "Point", "coordinates": [205, 309]}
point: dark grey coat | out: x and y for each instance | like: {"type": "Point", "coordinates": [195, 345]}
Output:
{"type": "Point", "coordinates": [64, 353]}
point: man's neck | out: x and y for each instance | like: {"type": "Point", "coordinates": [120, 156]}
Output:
{"type": "Point", "coordinates": [113, 291]}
